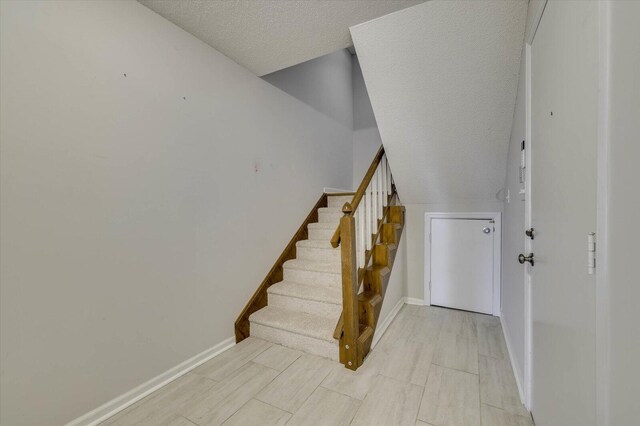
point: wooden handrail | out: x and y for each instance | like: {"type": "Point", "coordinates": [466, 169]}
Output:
{"type": "Point", "coordinates": [357, 321]}
{"type": "Point", "coordinates": [337, 332]}
{"type": "Point", "coordinates": [335, 239]}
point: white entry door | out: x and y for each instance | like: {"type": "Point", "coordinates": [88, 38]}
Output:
{"type": "Point", "coordinates": [462, 256]}
{"type": "Point", "coordinates": [564, 119]}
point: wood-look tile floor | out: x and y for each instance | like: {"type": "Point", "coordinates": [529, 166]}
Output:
{"type": "Point", "coordinates": [433, 366]}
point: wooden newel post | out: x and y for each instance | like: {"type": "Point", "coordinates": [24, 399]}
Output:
{"type": "Point", "coordinates": [349, 288]}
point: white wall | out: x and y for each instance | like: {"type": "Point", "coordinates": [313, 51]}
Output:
{"type": "Point", "coordinates": [624, 205]}
{"type": "Point", "coordinates": [366, 137]}
{"type": "Point", "coordinates": [324, 83]}
{"type": "Point", "coordinates": [415, 235]}
{"type": "Point", "coordinates": [442, 77]}
{"type": "Point", "coordinates": [513, 224]}
{"type": "Point", "coordinates": [138, 212]}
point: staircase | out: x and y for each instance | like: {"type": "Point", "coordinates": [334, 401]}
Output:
{"type": "Point", "coordinates": [324, 293]}
{"type": "Point", "coordinates": [304, 308]}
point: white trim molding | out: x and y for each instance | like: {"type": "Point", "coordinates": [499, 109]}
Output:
{"type": "Point", "coordinates": [414, 301]}
{"type": "Point", "coordinates": [121, 402]}
{"type": "Point", "coordinates": [497, 250]}
{"type": "Point", "coordinates": [514, 366]}
{"type": "Point", "coordinates": [603, 341]}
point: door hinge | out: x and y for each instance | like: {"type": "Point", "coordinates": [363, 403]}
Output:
{"type": "Point", "coordinates": [591, 253]}
{"type": "Point", "coordinates": [523, 162]}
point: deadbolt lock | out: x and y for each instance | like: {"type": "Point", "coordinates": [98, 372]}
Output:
{"type": "Point", "coordinates": [522, 258]}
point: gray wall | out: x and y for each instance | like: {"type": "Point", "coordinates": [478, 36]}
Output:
{"type": "Point", "coordinates": [138, 212]}
{"type": "Point", "coordinates": [366, 137]}
{"type": "Point", "coordinates": [324, 83]}
{"type": "Point", "coordinates": [624, 205]}
{"type": "Point", "coordinates": [333, 84]}
{"type": "Point", "coordinates": [512, 292]}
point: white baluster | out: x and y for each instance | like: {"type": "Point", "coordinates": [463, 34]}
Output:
{"type": "Point", "coordinates": [384, 181]}
{"type": "Point", "coordinates": [357, 221]}
{"type": "Point", "coordinates": [367, 210]}
{"type": "Point", "coordinates": [380, 192]}
{"type": "Point", "coordinates": [390, 178]}
{"type": "Point", "coordinates": [360, 234]}
{"type": "Point", "coordinates": [374, 215]}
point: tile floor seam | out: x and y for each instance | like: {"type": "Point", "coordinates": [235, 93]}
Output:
{"type": "Point", "coordinates": [424, 389]}
{"type": "Point", "coordinates": [189, 420]}
{"type": "Point", "coordinates": [457, 369]}
{"type": "Point", "coordinates": [344, 394]}
{"type": "Point", "coordinates": [254, 397]}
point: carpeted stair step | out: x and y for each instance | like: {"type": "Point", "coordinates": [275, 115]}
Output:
{"type": "Point", "coordinates": [310, 272]}
{"type": "Point", "coordinates": [330, 215]}
{"type": "Point", "coordinates": [318, 250]}
{"type": "Point", "coordinates": [337, 201]}
{"type": "Point", "coordinates": [297, 330]}
{"type": "Point", "coordinates": [322, 231]}
{"type": "Point", "coordinates": [316, 300]}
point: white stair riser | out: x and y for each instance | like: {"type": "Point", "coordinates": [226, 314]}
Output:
{"type": "Point", "coordinates": [321, 234]}
{"type": "Point", "coordinates": [313, 307]}
{"type": "Point", "coordinates": [291, 340]}
{"type": "Point", "coordinates": [338, 202]}
{"type": "Point", "coordinates": [312, 277]}
{"type": "Point", "coordinates": [330, 217]}
{"type": "Point", "coordinates": [318, 254]}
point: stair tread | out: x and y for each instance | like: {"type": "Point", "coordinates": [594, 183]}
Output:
{"type": "Point", "coordinates": [308, 292]}
{"type": "Point", "coordinates": [323, 225]}
{"type": "Point", "coordinates": [321, 244]}
{"type": "Point", "coordinates": [330, 210]}
{"type": "Point", "coordinates": [391, 246]}
{"type": "Point", "coordinates": [310, 265]}
{"type": "Point", "coordinates": [379, 268]}
{"type": "Point", "coordinates": [296, 322]}
{"type": "Point", "coordinates": [369, 297]}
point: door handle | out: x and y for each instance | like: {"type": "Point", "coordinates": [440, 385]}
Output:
{"type": "Point", "coordinates": [522, 258]}
{"type": "Point", "coordinates": [486, 230]}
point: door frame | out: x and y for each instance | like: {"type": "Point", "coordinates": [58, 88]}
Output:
{"type": "Point", "coordinates": [535, 16]}
{"type": "Point", "coordinates": [497, 251]}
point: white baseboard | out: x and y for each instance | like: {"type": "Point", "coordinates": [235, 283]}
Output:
{"type": "Point", "coordinates": [121, 402]}
{"type": "Point", "coordinates": [414, 301]}
{"type": "Point", "coordinates": [386, 322]}
{"type": "Point", "coordinates": [512, 359]}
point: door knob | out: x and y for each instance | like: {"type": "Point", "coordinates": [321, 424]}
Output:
{"type": "Point", "coordinates": [486, 230]}
{"type": "Point", "coordinates": [522, 258]}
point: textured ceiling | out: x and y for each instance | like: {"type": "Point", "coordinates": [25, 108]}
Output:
{"type": "Point", "coordinates": [442, 77]}
{"type": "Point", "coordinates": [269, 35]}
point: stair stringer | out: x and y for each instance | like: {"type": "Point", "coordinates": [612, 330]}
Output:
{"type": "Point", "coordinates": [376, 279]}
